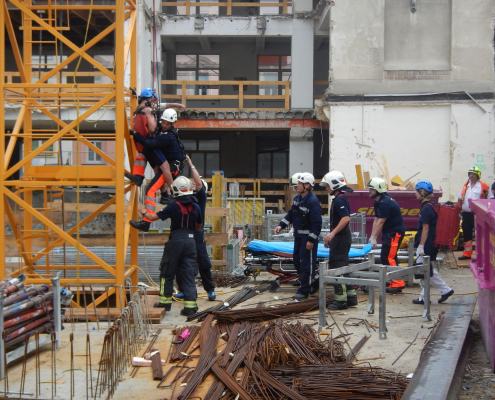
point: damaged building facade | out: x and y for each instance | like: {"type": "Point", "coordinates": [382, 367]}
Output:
{"type": "Point", "coordinates": [316, 86]}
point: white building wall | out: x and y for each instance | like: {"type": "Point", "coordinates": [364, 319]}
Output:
{"type": "Point", "coordinates": [441, 142]}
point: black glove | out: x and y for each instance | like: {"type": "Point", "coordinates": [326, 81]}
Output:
{"type": "Point", "coordinates": [138, 138]}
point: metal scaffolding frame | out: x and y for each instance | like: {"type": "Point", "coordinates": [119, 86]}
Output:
{"type": "Point", "coordinates": [47, 98]}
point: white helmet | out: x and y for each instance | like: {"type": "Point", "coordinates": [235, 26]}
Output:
{"type": "Point", "coordinates": [303, 177]}
{"type": "Point", "coordinates": [294, 179]}
{"type": "Point", "coordinates": [334, 179]}
{"type": "Point", "coordinates": [169, 115]}
{"type": "Point", "coordinates": [378, 184]}
{"type": "Point", "coordinates": [182, 186]}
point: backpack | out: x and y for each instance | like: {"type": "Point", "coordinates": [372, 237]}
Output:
{"type": "Point", "coordinates": [448, 223]}
{"type": "Point", "coordinates": [140, 124]}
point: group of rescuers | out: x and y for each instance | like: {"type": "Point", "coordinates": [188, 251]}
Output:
{"type": "Point", "coordinates": [185, 252]}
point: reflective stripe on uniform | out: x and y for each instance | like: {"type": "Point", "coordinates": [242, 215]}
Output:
{"type": "Point", "coordinates": [303, 208]}
{"type": "Point", "coordinates": [351, 292]}
{"type": "Point", "coordinates": [394, 248]}
{"type": "Point", "coordinates": [285, 222]}
{"type": "Point", "coordinates": [162, 287]}
{"type": "Point", "coordinates": [139, 165]}
{"type": "Point", "coordinates": [302, 231]}
{"type": "Point", "coordinates": [343, 296]}
{"type": "Point", "coordinates": [312, 235]}
{"type": "Point", "coordinates": [190, 304]}
{"type": "Point", "coordinates": [165, 300]}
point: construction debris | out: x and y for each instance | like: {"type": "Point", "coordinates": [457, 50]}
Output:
{"type": "Point", "coordinates": [231, 281]}
{"type": "Point", "coordinates": [272, 312]}
{"type": "Point", "coordinates": [280, 360]}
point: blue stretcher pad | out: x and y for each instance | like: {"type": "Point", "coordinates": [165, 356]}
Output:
{"type": "Point", "coordinates": [288, 247]}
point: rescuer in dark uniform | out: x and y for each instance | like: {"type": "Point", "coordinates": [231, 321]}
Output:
{"type": "Point", "coordinates": [305, 215]}
{"type": "Point", "coordinates": [200, 188]}
{"type": "Point", "coordinates": [170, 152]}
{"type": "Point", "coordinates": [339, 240]}
{"type": "Point", "coordinates": [179, 255]}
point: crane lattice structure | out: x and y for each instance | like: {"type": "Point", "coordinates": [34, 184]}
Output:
{"type": "Point", "coordinates": [46, 24]}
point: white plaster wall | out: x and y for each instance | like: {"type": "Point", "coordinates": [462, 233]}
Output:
{"type": "Point", "coordinates": [358, 47]}
{"type": "Point", "coordinates": [441, 142]}
{"type": "Point", "coordinates": [300, 156]}
{"type": "Point", "coordinates": [302, 64]}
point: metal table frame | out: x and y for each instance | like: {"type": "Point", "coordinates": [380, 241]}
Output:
{"type": "Point", "coordinates": [44, 339]}
{"type": "Point", "coordinates": [374, 276]}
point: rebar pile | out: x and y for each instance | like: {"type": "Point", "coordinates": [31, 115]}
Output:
{"type": "Point", "coordinates": [272, 312]}
{"type": "Point", "coordinates": [122, 341]}
{"type": "Point", "coordinates": [229, 280]}
{"type": "Point", "coordinates": [341, 381]}
{"type": "Point", "coordinates": [244, 294]}
{"type": "Point", "coordinates": [26, 311]}
{"type": "Point", "coordinates": [282, 360]}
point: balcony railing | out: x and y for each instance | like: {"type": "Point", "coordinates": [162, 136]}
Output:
{"type": "Point", "coordinates": [228, 5]}
{"type": "Point", "coordinates": [240, 97]}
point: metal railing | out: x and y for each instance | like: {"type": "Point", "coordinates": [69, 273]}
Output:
{"type": "Point", "coordinates": [228, 5]}
{"type": "Point", "coordinates": [239, 96]}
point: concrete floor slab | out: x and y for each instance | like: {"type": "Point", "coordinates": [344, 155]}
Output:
{"type": "Point", "coordinates": [404, 323]}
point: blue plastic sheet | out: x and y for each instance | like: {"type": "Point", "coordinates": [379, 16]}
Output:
{"type": "Point", "coordinates": [288, 247]}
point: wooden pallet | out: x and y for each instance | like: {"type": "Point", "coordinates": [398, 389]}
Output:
{"type": "Point", "coordinates": [80, 314]}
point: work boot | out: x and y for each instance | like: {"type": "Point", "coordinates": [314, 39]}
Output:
{"type": "Point", "coordinates": [167, 307]}
{"type": "Point", "coordinates": [445, 296]}
{"type": "Point", "coordinates": [166, 199]}
{"type": "Point", "coordinates": [297, 282]}
{"type": "Point", "coordinates": [338, 305]}
{"type": "Point", "coordinates": [178, 296]}
{"type": "Point", "coordinates": [300, 296]}
{"type": "Point", "coordinates": [418, 301]}
{"type": "Point", "coordinates": [393, 290]}
{"type": "Point", "coordinates": [188, 311]}
{"type": "Point", "coordinates": [136, 179]}
{"type": "Point", "coordinates": [352, 301]}
{"type": "Point", "coordinates": [212, 296]}
{"type": "Point", "coordinates": [313, 290]}
{"type": "Point", "coordinates": [464, 258]}
{"type": "Point", "coordinates": [141, 225]}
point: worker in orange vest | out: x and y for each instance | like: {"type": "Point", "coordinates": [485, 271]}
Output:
{"type": "Point", "coordinates": [474, 188]}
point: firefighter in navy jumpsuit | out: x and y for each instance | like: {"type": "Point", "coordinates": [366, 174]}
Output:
{"type": "Point", "coordinates": [339, 240]}
{"type": "Point", "coordinates": [204, 263]}
{"type": "Point", "coordinates": [305, 216]}
{"type": "Point", "coordinates": [169, 152]}
{"type": "Point", "coordinates": [179, 255]}
{"type": "Point", "coordinates": [388, 221]}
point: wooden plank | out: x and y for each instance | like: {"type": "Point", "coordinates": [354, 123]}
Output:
{"type": "Point", "coordinates": [385, 168]}
{"type": "Point", "coordinates": [156, 365]}
{"type": "Point", "coordinates": [379, 166]}
{"type": "Point", "coordinates": [366, 176]}
{"type": "Point", "coordinates": [217, 212]}
{"type": "Point", "coordinates": [359, 174]}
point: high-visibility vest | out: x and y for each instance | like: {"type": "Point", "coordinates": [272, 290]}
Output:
{"type": "Point", "coordinates": [485, 189]}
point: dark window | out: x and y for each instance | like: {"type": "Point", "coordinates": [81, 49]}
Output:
{"type": "Point", "coordinates": [205, 155]}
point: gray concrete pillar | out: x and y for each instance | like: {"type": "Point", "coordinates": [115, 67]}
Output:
{"type": "Point", "coordinates": [301, 150]}
{"type": "Point", "coordinates": [302, 64]}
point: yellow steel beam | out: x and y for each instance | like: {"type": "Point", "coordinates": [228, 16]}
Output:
{"type": "Point", "coordinates": [2, 133]}
{"type": "Point", "coordinates": [57, 136]}
{"type": "Point", "coordinates": [27, 12]}
{"type": "Point", "coordinates": [75, 228]}
{"type": "Point", "coordinates": [13, 43]}
{"type": "Point", "coordinates": [119, 147]}
{"type": "Point", "coordinates": [13, 139]}
{"type": "Point", "coordinates": [49, 224]}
